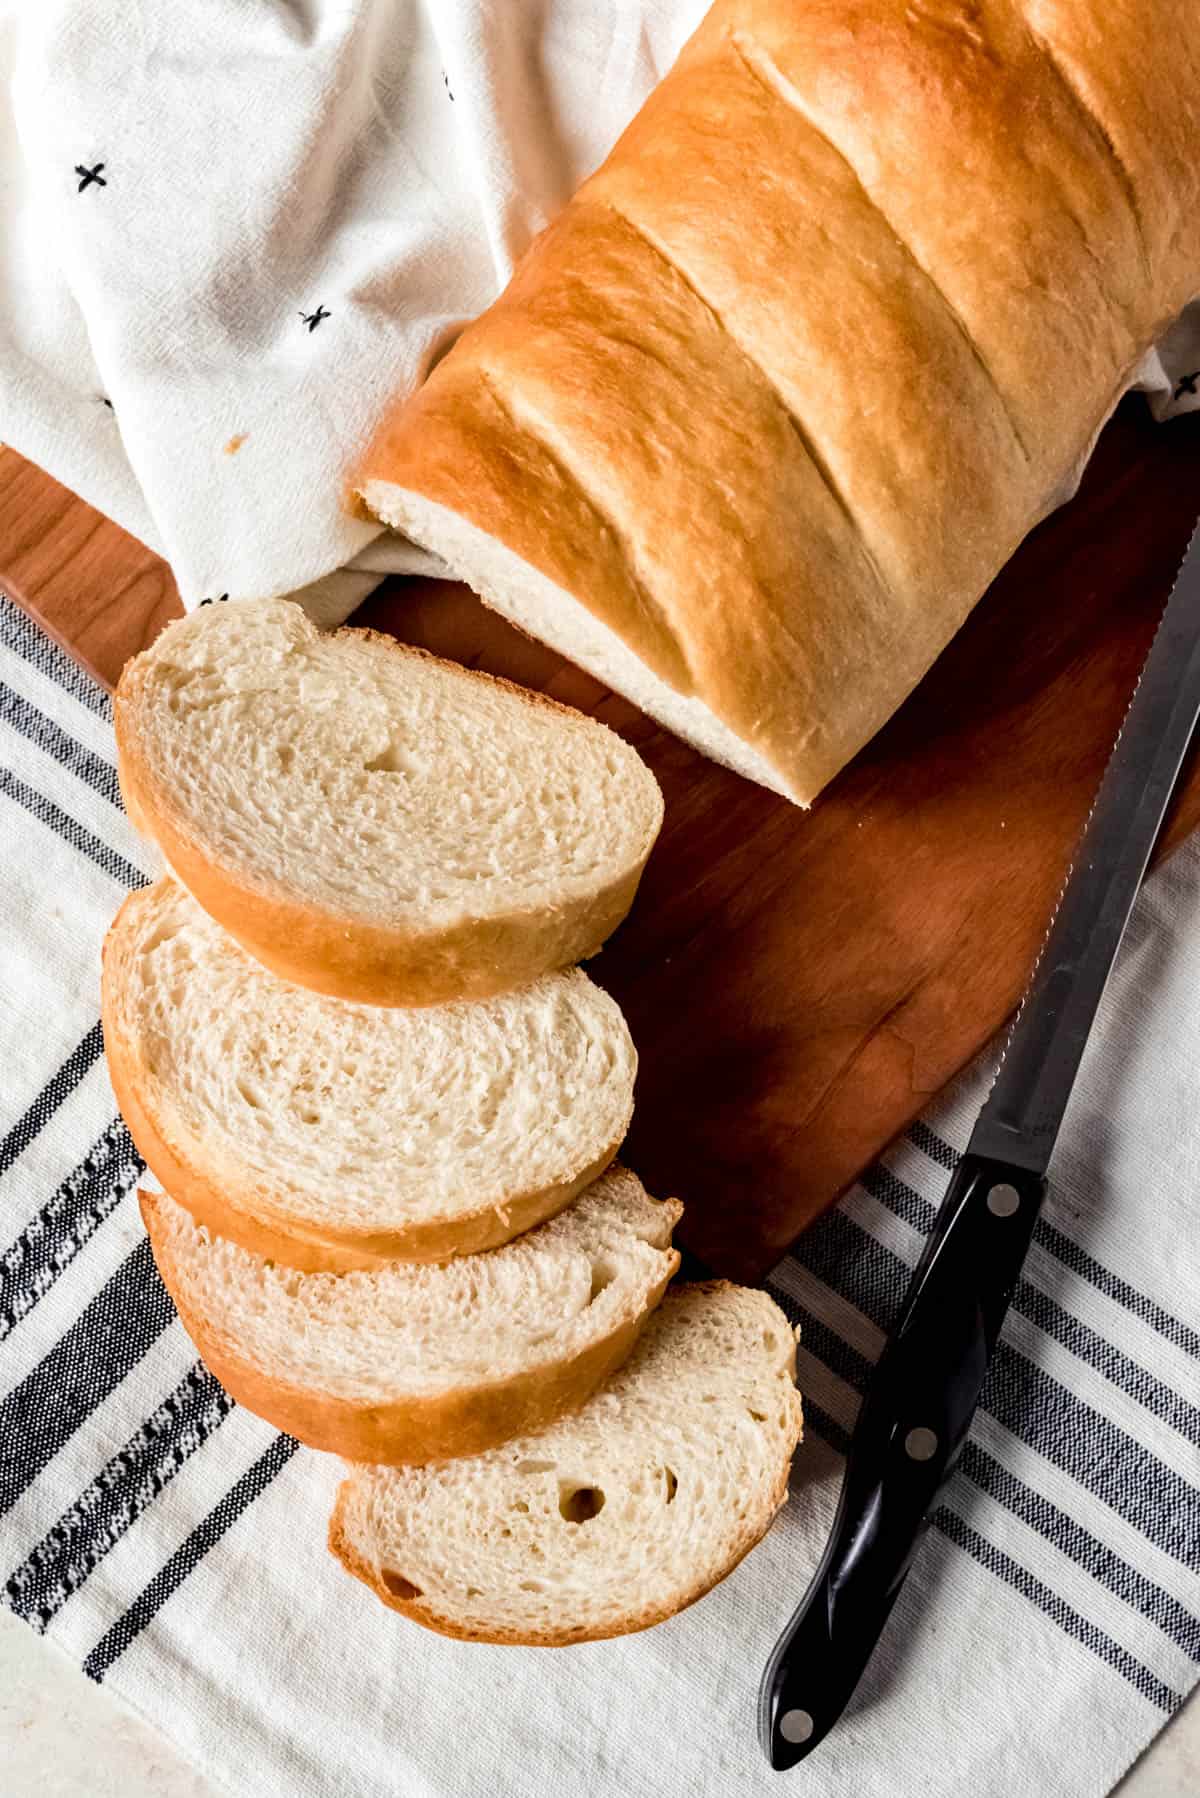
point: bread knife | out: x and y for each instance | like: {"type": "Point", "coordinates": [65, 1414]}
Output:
{"type": "Point", "coordinates": [923, 1394]}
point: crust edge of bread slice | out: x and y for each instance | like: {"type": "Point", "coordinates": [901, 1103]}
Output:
{"type": "Point", "coordinates": [242, 1216]}
{"type": "Point", "coordinates": [416, 1428]}
{"type": "Point", "coordinates": [375, 1580]}
{"type": "Point", "coordinates": [395, 1595]}
{"type": "Point", "coordinates": [350, 957]}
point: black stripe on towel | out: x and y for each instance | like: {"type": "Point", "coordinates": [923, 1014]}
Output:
{"type": "Point", "coordinates": [27, 640]}
{"type": "Point", "coordinates": [86, 1051]}
{"type": "Point", "coordinates": [828, 1428]}
{"type": "Point", "coordinates": [931, 1144]}
{"type": "Point", "coordinates": [1079, 1545]}
{"type": "Point", "coordinates": [1056, 1243]}
{"type": "Point", "coordinates": [104, 1343]}
{"type": "Point", "coordinates": [188, 1555]}
{"type": "Point", "coordinates": [1086, 1634]}
{"type": "Point", "coordinates": [1040, 1514]}
{"type": "Point", "coordinates": [1102, 1458]}
{"type": "Point", "coordinates": [826, 1344]}
{"type": "Point", "coordinates": [1089, 1447]}
{"type": "Point", "coordinates": [74, 1547]}
{"type": "Point", "coordinates": [996, 1562]}
{"type": "Point", "coordinates": [55, 742]}
{"type": "Point", "coordinates": [73, 832]}
{"type": "Point", "coordinates": [50, 1241]}
{"type": "Point", "coordinates": [849, 1261]}
{"type": "Point", "coordinates": [1053, 1318]}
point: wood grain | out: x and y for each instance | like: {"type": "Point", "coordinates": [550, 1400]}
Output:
{"type": "Point", "coordinates": [93, 587]}
{"type": "Point", "coordinates": [800, 985]}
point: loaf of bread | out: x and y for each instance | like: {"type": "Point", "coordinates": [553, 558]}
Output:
{"type": "Point", "coordinates": [331, 1135]}
{"type": "Point", "coordinates": [370, 821]}
{"type": "Point", "coordinates": [404, 1363]}
{"type": "Point", "coordinates": [765, 410]}
{"type": "Point", "coordinates": [611, 1519]}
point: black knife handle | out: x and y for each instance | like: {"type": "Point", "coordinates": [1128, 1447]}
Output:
{"type": "Point", "coordinates": [906, 1443]}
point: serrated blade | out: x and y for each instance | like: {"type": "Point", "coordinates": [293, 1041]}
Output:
{"type": "Point", "coordinates": [1020, 1121]}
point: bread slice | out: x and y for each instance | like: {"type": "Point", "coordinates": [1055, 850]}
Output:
{"type": "Point", "coordinates": [611, 1519]}
{"type": "Point", "coordinates": [330, 1135]}
{"type": "Point", "coordinates": [373, 822]}
{"type": "Point", "coordinates": [411, 1363]}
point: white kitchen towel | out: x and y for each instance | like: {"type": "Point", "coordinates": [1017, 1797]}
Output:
{"type": "Point", "coordinates": [231, 232]}
{"type": "Point", "coordinates": [174, 1545]}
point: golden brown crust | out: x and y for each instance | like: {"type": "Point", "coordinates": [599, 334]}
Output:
{"type": "Point", "coordinates": [416, 1429]}
{"type": "Point", "coordinates": [834, 326]}
{"type": "Point", "coordinates": [1111, 58]}
{"type": "Point", "coordinates": [376, 1578]}
{"type": "Point", "coordinates": [248, 1218]}
{"type": "Point", "coordinates": [719, 574]}
{"type": "Point", "coordinates": [354, 958]}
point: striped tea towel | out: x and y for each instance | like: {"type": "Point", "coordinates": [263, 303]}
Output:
{"type": "Point", "coordinates": [175, 1545]}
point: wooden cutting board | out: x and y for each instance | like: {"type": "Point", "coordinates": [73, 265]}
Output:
{"type": "Point", "coordinates": [799, 985]}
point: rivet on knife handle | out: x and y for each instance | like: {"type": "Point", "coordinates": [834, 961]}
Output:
{"type": "Point", "coordinates": [925, 1390]}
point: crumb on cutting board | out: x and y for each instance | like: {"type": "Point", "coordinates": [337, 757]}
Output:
{"type": "Point", "coordinates": [235, 443]}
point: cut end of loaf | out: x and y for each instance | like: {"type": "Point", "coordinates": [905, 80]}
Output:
{"type": "Point", "coordinates": [613, 1518]}
{"type": "Point", "coordinates": [535, 604]}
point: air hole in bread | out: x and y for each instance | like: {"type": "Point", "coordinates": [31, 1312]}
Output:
{"type": "Point", "coordinates": [770, 1340]}
{"type": "Point", "coordinates": [474, 1591]}
{"type": "Point", "coordinates": [672, 1483]}
{"type": "Point", "coordinates": [603, 1275]}
{"type": "Point", "coordinates": [249, 1095]}
{"type": "Point", "coordinates": [398, 1586]}
{"type": "Point", "coordinates": [533, 1585]}
{"type": "Point", "coordinates": [758, 1416]}
{"type": "Point", "coordinates": [165, 933]}
{"type": "Point", "coordinates": [395, 759]}
{"type": "Point", "coordinates": [536, 1466]}
{"type": "Point", "coordinates": [579, 1504]}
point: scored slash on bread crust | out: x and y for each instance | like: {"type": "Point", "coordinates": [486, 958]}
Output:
{"type": "Point", "coordinates": [330, 1135]}
{"type": "Point", "coordinates": [413, 1364]}
{"type": "Point", "coordinates": [371, 821]}
{"type": "Point", "coordinates": [610, 1520]}
{"type": "Point", "coordinates": [768, 405]}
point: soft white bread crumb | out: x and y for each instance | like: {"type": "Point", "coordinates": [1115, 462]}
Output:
{"type": "Point", "coordinates": [374, 822]}
{"type": "Point", "coordinates": [532, 601]}
{"type": "Point", "coordinates": [332, 1135]}
{"type": "Point", "coordinates": [409, 1363]}
{"type": "Point", "coordinates": [611, 1519]}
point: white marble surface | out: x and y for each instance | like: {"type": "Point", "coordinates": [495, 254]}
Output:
{"type": "Point", "coordinates": [62, 1737]}
{"type": "Point", "coordinates": [1170, 1767]}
